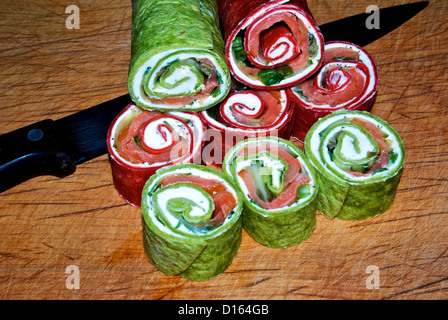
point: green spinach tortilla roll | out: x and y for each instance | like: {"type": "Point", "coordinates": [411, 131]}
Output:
{"type": "Point", "coordinates": [191, 221]}
{"type": "Point", "coordinates": [177, 55]}
{"type": "Point", "coordinates": [279, 190]}
{"type": "Point", "coordinates": [358, 159]}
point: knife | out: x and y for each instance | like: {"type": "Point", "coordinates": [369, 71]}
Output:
{"type": "Point", "coordinates": [55, 147]}
{"type": "Point", "coordinates": [353, 29]}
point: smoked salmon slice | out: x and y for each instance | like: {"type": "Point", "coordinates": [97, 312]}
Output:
{"type": "Point", "coordinates": [287, 197]}
{"type": "Point", "coordinates": [384, 148]}
{"type": "Point", "coordinates": [292, 179]}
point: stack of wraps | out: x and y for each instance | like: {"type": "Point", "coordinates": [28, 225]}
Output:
{"type": "Point", "coordinates": [286, 81]}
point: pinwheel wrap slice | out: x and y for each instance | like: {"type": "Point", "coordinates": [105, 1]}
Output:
{"type": "Point", "coordinates": [177, 55]}
{"type": "Point", "coordinates": [347, 79]}
{"type": "Point", "coordinates": [279, 190]}
{"type": "Point", "coordinates": [358, 160]}
{"type": "Point", "coordinates": [245, 114]}
{"type": "Point", "coordinates": [141, 141]}
{"type": "Point", "coordinates": [175, 243]}
{"type": "Point", "coordinates": [270, 44]}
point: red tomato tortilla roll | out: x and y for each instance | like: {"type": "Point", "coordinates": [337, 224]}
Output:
{"type": "Point", "coordinates": [140, 142]}
{"type": "Point", "coordinates": [244, 114]}
{"type": "Point", "coordinates": [270, 44]}
{"type": "Point", "coordinates": [348, 79]}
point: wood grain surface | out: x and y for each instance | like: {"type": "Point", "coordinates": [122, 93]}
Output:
{"type": "Point", "coordinates": [47, 223]}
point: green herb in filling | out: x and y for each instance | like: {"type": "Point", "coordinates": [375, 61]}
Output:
{"type": "Point", "coordinates": [137, 141]}
{"type": "Point", "coordinates": [285, 70]}
{"type": "Point", "coordinates": [219, 78]}
{"type": "Point", "coordinates": [213, 112]}
{"type": "Point", "coordinates": [380, 170]}
{"type": "Point", "coordinates": [271, 77]}
{"type": "Point", "coordinates": [304, 191]}
{"type": "Point", "coordinates": [393, 157]}
{"type": "Point", "coordinates": [344, 59]}
{"type": "Point", "coordinates": [215, 92]}
{"type": "Point", "coordinates": [205, 68]}
{"type": "Point", "coordinates": [313, 48]}
{"type": "Point", "coordinates": [302, 95]}
{"type": "Point", "coordinates": [238, 51]}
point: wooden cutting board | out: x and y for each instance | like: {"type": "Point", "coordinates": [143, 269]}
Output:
{"type": "Point", "coordinates": [48, 224]}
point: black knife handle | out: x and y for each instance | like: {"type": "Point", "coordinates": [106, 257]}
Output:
{"type": "Point", "coordinates": [33, 151]}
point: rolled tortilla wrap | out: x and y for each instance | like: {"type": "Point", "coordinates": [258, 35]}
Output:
{"type": "Point", "coordinates": [245, 114]}
{"type": "Point", "coordinates": [279, 190]}
{"type": "Point", "coordinates": [358, 160]}
{"type": "Point", "coordinates": [270, 44]}
{"type": "Point", "coordinates": [177, 55]}
{"type": "Point", "coordinates": [348, 79]}
{"type": "Point", "coordinates": [141, 141]}
{"type": "Point", "coordinates": [191, 221]}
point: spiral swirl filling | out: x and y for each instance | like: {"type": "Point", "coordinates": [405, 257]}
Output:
{"type": "Point", "coordinates": [356, 147]}
{"type": "Point", "coordinates": [181, 79]}
{"type": "Point", "coordinates": [191, 201]}
{"type": "Point", "coordinates": [270, 174]}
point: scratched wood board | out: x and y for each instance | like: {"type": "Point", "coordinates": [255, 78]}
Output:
{"type": "Point", "coordinates": [48, 224]}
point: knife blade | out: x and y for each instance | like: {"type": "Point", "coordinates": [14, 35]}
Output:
{"type": "Point", "coordinates": [55, 147]}
{"type": "Point", "coordinates": [353, 29]}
